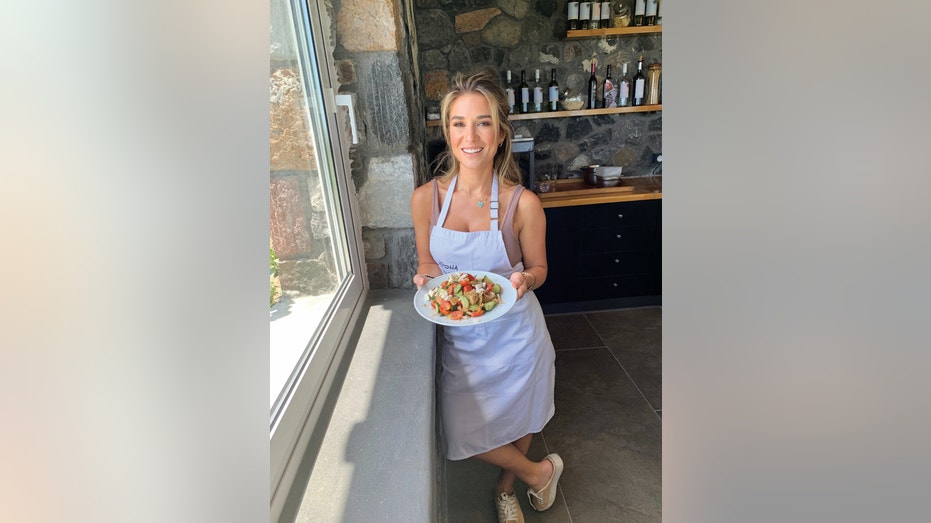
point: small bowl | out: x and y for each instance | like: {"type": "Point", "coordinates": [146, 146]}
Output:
{"type": "Point", "coordinates": [607, 181]}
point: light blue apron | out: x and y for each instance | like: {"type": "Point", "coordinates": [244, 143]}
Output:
{"type": "Point", "coordinates": [497, 378]}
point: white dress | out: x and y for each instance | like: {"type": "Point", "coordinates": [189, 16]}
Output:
{"type": "Point", "coordinates": [497, 378]}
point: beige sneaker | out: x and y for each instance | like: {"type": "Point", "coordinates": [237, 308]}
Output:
{"type": "Point", "coordinates": [544, 499]}
{"type": "Point", "coordinates": [508, 508]}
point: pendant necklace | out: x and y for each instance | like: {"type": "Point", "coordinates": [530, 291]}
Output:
{"type": "Point", "coordinates": [481, 202]}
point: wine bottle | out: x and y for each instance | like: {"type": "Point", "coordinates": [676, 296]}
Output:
{"type": "Point", "coordinates": [623, 88]}
{"type": "Point", "coordinates": [596, 15]}
{"type": "Point", "coordinates": [553, 97]}
{"type": "Point", "coordinates": [537, 93]}
{"type": "Point", "coordinates": [609, 90]}
{"type": "Point", "coordinates": [659, 13]}
{"type": "Point", "coordinates": [573, 17]}
{"type": "Point", "coordinates": [605, 15]}
{"type": "Point", "coordinates": [585, 15]}
{"type": "Point", "coordinates": [649, 17]}
{"type": "Point", "coordinates": [592, 90]}
{"type": "Point", "coordinates": [639, 84]}
{"type": "Point", "coordinates": [639, 9]}
{"type": "Point", "coordinates": [509, 89]}
{"type": "Point", "coordinates": [524, 92]}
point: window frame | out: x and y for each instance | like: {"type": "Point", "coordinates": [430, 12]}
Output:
{"type": "Point", "coordinates": [297, 431]}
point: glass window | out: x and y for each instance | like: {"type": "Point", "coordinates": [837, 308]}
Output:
{"type": "Point", "coordinates": [316, 282]}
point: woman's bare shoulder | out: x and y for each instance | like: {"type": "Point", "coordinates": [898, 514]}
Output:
{"type": "Point", "coordinates": [424, 190]}
{"type": "Point", "coordinates": [529, 199]}
{"type": "Point", "coordinates": [423, 195]}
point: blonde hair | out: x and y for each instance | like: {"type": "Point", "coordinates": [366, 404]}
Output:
{"type": "Point", "coordinates": [485, 84]}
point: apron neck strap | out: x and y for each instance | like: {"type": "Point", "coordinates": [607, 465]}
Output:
{"type": "Point", "coordinates": [493, 203]}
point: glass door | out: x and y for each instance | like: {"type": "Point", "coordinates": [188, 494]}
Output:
{"type": "Point", "coordinates": [316, 274]}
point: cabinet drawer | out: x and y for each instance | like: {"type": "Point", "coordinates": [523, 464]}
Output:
{"type": "Point", "coordinates": [610, 215]}
{"type": "Point", "coordinates": [617, 286]}
{"type": "Point", "coordinates": [616, 239]}
{"type": "Point", "coordinates": [562, 219]}
{"type": "Point", "coordinates": [609, 263]}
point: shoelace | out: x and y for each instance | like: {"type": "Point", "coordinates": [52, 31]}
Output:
{"type": "Point", "coordinates": [534, 494]}
{"type": "Point", "coordinates": [507, 505]}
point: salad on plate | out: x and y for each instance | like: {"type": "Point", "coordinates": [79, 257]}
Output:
{"type": "Point", "coordinates": [463, 295]}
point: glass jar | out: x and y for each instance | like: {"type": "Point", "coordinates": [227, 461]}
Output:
{"type": "Point", "coordinates": [653, 76]}
{"type": "Point", "coordinates": [621, 17]}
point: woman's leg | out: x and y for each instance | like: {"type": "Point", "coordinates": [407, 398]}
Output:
{"type": "Point", "coordinates": [506, 478]}
{"type": "Point", "coordinates": [513, 460]}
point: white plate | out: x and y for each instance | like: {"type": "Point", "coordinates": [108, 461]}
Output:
{"type": "Point", "coordinates": [424, 308]}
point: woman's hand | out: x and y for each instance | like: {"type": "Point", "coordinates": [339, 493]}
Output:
{"type": "Point", "coordinates": [523, 282]}
{"type": "Point", "coordinates": [421, 279]}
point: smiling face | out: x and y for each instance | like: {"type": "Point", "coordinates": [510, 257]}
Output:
{"type": "Point", "coordinates": [473, 136]}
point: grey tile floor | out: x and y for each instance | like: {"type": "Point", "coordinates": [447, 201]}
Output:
{"type": "Point", "coordinates": [607, 427]}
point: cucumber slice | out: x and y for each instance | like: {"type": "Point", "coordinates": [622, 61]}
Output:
{"type": "Point", "coordinates": [488, 306]}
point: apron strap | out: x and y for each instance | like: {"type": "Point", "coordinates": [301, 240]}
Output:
{"type": "Point", "coordinates": [494, 202]}
{"type": "Point", "coordinates": [449, 197]}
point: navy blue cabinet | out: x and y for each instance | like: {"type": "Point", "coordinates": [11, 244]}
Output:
{"type": "Point", "coordinates": [603, 256]}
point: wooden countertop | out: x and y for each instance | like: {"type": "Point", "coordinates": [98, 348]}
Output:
{"type": "Point", "coordinates": [575, 191]}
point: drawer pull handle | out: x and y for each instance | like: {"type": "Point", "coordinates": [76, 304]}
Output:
{"type": "Point", "coordinates": [620, 216]}
{"type": "Point", "coordinates": [617, 260]}
{"type": "Point", "coordinates": [618, 236]}
{"type": "Point", "coordinates": [614, 284]}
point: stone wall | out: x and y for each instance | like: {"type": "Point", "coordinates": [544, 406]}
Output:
{"type": "Point", "coordinates": [374, 64]}
{"type": "Point", "coordinates": [529, 34]}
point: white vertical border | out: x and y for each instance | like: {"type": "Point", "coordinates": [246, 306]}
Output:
{"type": "Point", "coordinates": [292, 431]}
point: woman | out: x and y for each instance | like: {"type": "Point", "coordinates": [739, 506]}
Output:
{"type": "Point", "coordinates": [496, 386]}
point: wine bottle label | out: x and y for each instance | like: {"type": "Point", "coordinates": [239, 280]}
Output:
{"type": "Point", "coordinates": [537, 95]}
{"type": "Point", "coordinates": [511, 98]}
{"type": "Point", "coordinates": [651, 7]}
{"type": "Point", "coordinates": [605, 13]}
{"type": "Point", "coordinates": [640, 7]}
{"type": "Point", "coordinates": [585, 10]}
{"type": "Point", "coordinates": [596, 11]}
{"type": "Point", "coordinates": [610, 94]}
{"type": "Point", "coordinates": [638, 88]}
{"type": "Point", "coordinates": [524, 98]}
{"type": "Point", "coordinates": [573, 10]}
{"type": "Point", "coordinates": [624, 91]}
{"type": "Point", "coordinates": [553, 97]}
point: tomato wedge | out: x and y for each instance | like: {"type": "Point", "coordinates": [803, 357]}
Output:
{"type": "Point", "coordinates": [455, 315]}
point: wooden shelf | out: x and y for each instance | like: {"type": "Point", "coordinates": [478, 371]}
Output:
{"type": "Point", "coordinates": [580, 112]}
{"type": "Point", "coordinates": [613, 31]}
{"type": "Point", "coordinates": [573, 191]}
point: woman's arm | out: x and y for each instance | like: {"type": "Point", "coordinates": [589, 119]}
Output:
{"type": "Point", "coordinates": [530, 230]}
{"type": "Point", "coordinates": [421, 212]}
